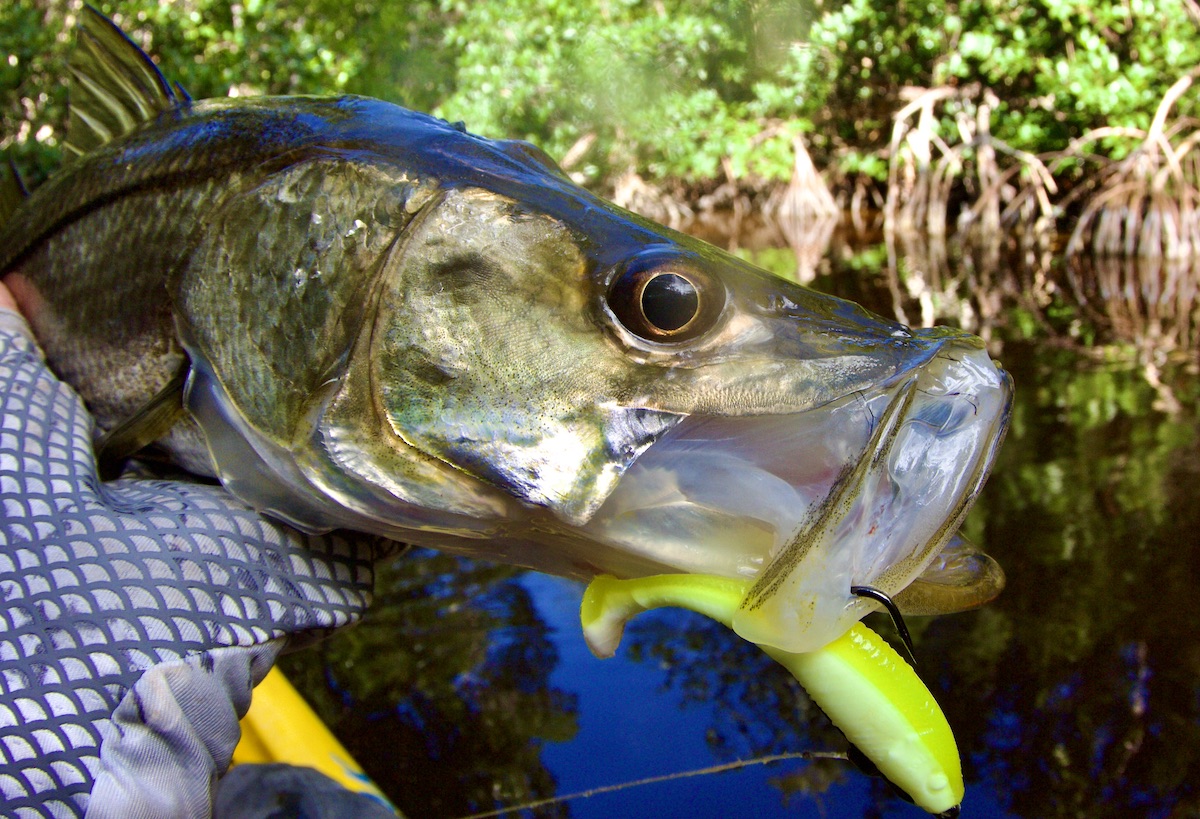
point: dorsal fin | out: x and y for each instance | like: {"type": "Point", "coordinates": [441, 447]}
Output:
{"type": "Point", "coordinates": [114, 85]}
{"type": "Point", "coordinates": [12, 190]}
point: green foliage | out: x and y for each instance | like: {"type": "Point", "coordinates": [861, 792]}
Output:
{"type": "Point", "coordinates": [869, 164]}
{"type": "Point", "coordinates": [667, 87]}
{"type": "Point", "coordinates": [1058, 67]}
{"type": "Point", "coordinates": [858, 55]}
{"type": "Point", "coordinates": [32, 65]}
{"type": "Point", "coordinates": [672, 89]}
{"type": "Point", "coordinates": [212, 47]}
{"type": "Point", "coordinates": [1063, 67]}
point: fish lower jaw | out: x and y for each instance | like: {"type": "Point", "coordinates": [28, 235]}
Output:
{"type": "Point", "coordinates": [887, 518]}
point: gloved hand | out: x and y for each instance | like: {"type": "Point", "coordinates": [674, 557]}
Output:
{"type": "Point", "coordinates": [136, 615]}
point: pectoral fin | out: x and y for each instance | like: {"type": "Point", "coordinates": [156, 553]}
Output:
{"type": "Point", "coordinates": [144, 427]}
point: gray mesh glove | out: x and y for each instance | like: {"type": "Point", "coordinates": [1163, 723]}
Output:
{"type": "Point", "coordinates": [135, 615]}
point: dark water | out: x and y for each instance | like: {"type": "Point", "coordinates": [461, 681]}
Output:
{"type": "Point", "coordinates": [1076, 693]}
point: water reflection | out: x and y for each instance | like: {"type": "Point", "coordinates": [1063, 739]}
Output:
{"type": "Point", "coordinates": [997, 285]}
{"type": "Point", "coordinates": [1150, 301]}
{"type": "Point", "coordinates": [443, 694]}
{"type": "Point", "coordinates": [1075, 694]}
{"type": "Point", "coordinates": [761, 711]}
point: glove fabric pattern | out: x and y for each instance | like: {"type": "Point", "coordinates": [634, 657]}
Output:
{"type": "Point", "coordinates": [102, 582]}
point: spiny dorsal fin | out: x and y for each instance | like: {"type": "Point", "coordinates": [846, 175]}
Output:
{"type": "Point", "coordinates": [12, 190]}
{"type": "Point", "coordinates": [114, 85]}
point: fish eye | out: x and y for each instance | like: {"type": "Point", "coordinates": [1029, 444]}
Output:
{"type": "Point", "coordinates": [665, 302]}
{"type": "Point", "coordinates": [669, 302]}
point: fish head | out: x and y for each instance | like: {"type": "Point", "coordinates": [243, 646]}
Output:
{"type": "Point", "coordinates": [495, 361]}
{"type": "Point", "coordinates": [592, 393]}
{"type": "Point", "coordinates": [542, 378]}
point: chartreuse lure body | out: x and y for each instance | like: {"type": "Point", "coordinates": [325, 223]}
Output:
{"type": "Point", "coordinates": [858, 680]}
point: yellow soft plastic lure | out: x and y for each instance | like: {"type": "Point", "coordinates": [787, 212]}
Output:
{"type": "Point", "coordinates": [861, 683]}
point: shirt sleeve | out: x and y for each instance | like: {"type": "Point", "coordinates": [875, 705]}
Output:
{"type": "Point", "coordinates": [173, 734]}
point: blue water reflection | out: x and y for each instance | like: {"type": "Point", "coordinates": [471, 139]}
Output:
{"type": "Point", "coordinates": [633, 725]}
{"type": "Point", "coordinates": [647, 717]}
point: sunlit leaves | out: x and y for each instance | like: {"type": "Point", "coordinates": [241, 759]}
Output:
{"type": "Point", "coordinates": [671, 89]}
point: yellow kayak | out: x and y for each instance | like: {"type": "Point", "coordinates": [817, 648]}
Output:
{"type": "Point", "coordinates": [281, 727]}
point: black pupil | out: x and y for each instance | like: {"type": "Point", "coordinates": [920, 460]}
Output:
{"type": "Point", "coordinates": [669, 302]}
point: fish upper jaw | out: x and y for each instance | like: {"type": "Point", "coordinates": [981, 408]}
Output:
{"type": "Point", "coordinates": [865, 490]}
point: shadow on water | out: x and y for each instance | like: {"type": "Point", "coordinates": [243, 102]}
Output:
{"type": "Point", "coordinates": [1075, 694]}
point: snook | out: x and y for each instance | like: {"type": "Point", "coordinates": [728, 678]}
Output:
{"type": "Point", "coordinates": [359, 316]}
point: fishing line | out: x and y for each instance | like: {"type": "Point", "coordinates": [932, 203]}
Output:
{"type": "Point", "coordinates": [653, 780]}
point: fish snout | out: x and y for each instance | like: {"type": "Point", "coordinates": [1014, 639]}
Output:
{"type": "Point", "coordinates": [933, 438]}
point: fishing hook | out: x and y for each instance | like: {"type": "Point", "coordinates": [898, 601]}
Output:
{"type": "Point", "coordinates": [872, 593]}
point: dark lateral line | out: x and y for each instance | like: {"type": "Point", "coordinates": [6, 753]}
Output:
{"type": "Point", "coordinates": [166, 181]}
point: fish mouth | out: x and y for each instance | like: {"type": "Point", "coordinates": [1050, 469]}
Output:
{"type": "Point", "coordinates": [866, 490]}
